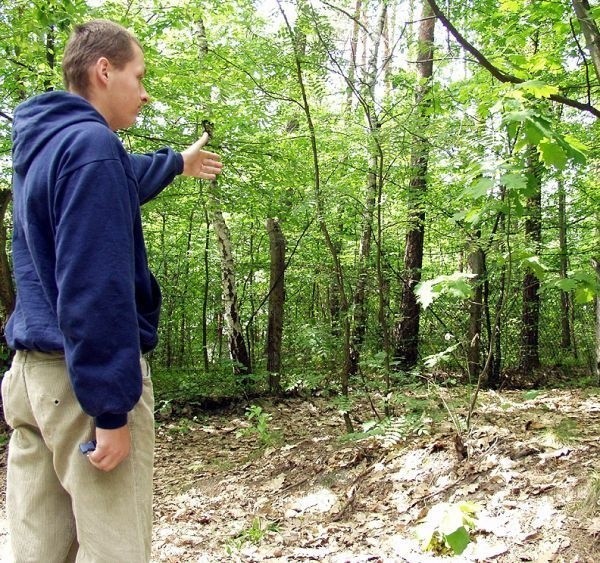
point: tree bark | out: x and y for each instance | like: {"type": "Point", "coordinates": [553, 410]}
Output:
{"type": "Point", "coordinates": [530, 358]}
{"type": "Point", "coordinates": [276, 304]}
{"type": "Point", "coordinates": [407, 330]}
{"type": "Point", "coordinates": [238, 350]}
{"type": "Point", "coordinates": [590, 32]}
{"type": "Point", "coordinates": [475, 260]}
{"type": "Point", "coordinates": [353, 52]}
{"type": "Point", "coordinates": [565, 296]}
{"type": "Point", "coordinates": [205, 290]}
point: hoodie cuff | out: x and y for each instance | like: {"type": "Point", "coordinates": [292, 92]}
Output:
{"type": "Point", "coordinates": [180, 163]}
{"type": "Point", "coordinates": [110, 421]}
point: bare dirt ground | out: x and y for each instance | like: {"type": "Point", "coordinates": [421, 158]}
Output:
{"type": "Point", "coordinates": [530, 463]}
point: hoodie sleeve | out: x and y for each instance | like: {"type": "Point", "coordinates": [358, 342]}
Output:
{"type": "Point", "coordinates": [95, 208]}
{"type": "Point", "coordinates": [155, 171]}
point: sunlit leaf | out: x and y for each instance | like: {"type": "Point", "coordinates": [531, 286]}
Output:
{"type": "Point", "coordinates": [538, 88]}
{"type": "Point", "coordinates": [553, 154]}
{"type": "Point", "coordinates": [514, 181]}
{"type": "Point", "coordinates": [479, 188]}
{"type": "Point", "coordinates": [455, 284]}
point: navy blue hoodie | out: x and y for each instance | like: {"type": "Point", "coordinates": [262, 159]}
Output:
{"type": "Point", "coordinates": [80, 264]}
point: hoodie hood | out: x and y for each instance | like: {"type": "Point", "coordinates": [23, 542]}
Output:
{"type": "Point", "coordinates": [40, 118]}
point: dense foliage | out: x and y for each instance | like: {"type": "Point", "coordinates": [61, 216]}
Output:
{"type": "Point", "coordinates": [326, 143]}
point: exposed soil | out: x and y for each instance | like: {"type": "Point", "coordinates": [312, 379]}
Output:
{"type": "Point", "coordinates": [529, 462]}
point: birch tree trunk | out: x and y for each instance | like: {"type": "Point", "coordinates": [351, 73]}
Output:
{"type": "Point", "coordinates": [353, 54]}
{"type": "Point", "coordinates": [238, 350]}
{"type": "Point", "coordinates": [407, 330]}
{"type": "Point", "coordinates": [205, 289]}
{"type": "Point", "coordinates": [590, 32]}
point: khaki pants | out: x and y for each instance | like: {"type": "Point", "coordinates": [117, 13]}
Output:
{"type": "Point", "coordinates": [60, 508]}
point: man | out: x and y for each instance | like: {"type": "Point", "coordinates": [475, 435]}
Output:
{"type": "Point", "coordinates": [87, 309]}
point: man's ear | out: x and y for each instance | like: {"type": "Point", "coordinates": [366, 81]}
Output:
{"type": "Point", "coordinates": [101, 71]}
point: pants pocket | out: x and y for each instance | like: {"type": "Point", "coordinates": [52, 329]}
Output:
{"type": "Point", "coordinates": [6, 384]}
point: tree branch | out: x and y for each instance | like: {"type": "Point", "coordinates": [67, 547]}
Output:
{"type": "Point", "coordinates": [350, 16]}
{"type": "Point", "coordinates": [498, 73]}
{"type": "Point", "coordinates": [6, 116]}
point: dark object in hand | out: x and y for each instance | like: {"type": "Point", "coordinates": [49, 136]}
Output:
{"type": "Point", "coordinates": [88, 447]}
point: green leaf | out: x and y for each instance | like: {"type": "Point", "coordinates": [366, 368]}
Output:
{"type": "Point", "coordinates": [584, 295]}
{"type": "Point", "coordinates": [519, 116]}
{"type": "Point", "coordinates": [458, 540]}
{"type": "Point", "coordinates": [514, 181]}
{"type": "Point", "coordinates": [566, 284]}
{"type": "Point", "coordinates": [510, 5]}
{"type": "Point", "coordinates": [538, 88]}
{"type": "Point", "coordinates": [473, 216]}
{"type": "Point", "coordinates": [552, 154]}
{"type": "Point", "coordinates": [435, 359]}
{"type": "Point", "coordinates": [575, 148]}
{"type": "Point", "coordinates": [455, 284]}
{"type": "Point", "coordinates": [532, 133]}
{"type": "Point", "coordinates": [479, 188]}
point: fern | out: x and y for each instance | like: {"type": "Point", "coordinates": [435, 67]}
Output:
{"type": "Point", "coordinates": [398, 428]}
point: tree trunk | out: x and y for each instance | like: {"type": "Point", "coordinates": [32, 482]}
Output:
{"type": "Point", "coordinates": [530, 358]}
{"type": "Point", "coordinates": [237, 346]}
{"type": "Point", "coordinates": [407, 331]}
{"type": "Point", "coordinates": [476, 262]}
{"type": "Point", "coordinates": [7, 290]}
{"type": "Point", "coordinates": [183, 290]}
{"type": "Point", "coordinates": [167, 306]}
{"type": "Point", "coordinates": [353, 52]}
{"type": "Point", "coordinates": [276, 304]}
{"type": "Point", "coordinates": [238, 351]}
{"type": "Point", "coordinates": [590, 32]}
{"type": "Point", "coordinates": [359, 317]}
{"type": "Point", "coordinates": [565, 296]}
{"type": "Point", "coordinates": [205, 291]}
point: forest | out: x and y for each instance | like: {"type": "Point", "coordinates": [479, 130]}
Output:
{"type": "Point", "coordinates": [405, 237]}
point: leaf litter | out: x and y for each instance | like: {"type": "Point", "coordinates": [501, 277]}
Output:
{"type": "Point", "coordinates": [308, 494]}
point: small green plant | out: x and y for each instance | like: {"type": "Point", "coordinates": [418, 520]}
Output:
{"type": "Point", "coordinates": [182, 426]}
{"type": "Point", "coordinates": [446, 528]}
{"type": "Point", "coordinates": [393, 430]}
{"type": "Point", "coordinates": [254, 534]}
{"type": "Point", "coordinates": [259, 421]}
{"type": "Point", "coordinates": [531, 394]}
